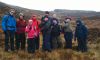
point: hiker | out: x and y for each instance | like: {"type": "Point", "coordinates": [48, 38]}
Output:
{"type": "Point", "coordinates": [9, 28]}
{"type": "Point", "coordinates": [68, 33]}
{"type": "Point", "coordinates": [20, 32]}
{"type": "Point", "coordinates": [81, 33]}
{"type": "Point", "coordinates": [36, 25]}
{"type": "Point", "coordinates": [46, 31]}
{"type": "Point", "coordinates": [31, 36]}
{"type": "Point", "coordinates": [55, 33]}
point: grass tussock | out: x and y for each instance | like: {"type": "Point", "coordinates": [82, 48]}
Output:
{"type": "Point", "coordinates": [61, 54]}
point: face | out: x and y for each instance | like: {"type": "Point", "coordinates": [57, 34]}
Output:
{"type": "Point", "coordinates": [54, 16]}
{"type": "Point", "coordinates": [30, 22]}
{"type": "Point", "coordinates": [67, 20]}
{"type": "Point", "coordinates": [34, 17]}
{"type": "Point", "coordinates": [77, 23]}
{"type": "Point", "coordinates": [21, 17]}
{"type": "Point", "coordinates": [12, 12]}
{"type": "Point", "coordinates": [55, 22]}
{"type": "Point", "coordinates": [47, 14]}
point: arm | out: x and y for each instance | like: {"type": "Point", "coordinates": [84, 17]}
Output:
{"type": "Point", "coordinates": [27, 29]}
{"type": "Point", "coordinates": [75, 34]}
{"type": "Point", "coordinates": [41, 26]}
{"type": "Point", "coordinates": [4, 20]}
{"type": "Point", "coordinates": [42, 22]}
{"type": "Point", "coordinates": [63, 27]}
{"type": "Point", "coordinates": [85, 30]}
{"type": "Point", "coordinates": [15, 24]}
{"type": "Point", "coordinates": [25, 24]}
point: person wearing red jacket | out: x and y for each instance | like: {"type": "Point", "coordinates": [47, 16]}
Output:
{"type": "Point", "coordinates": [31, 36]}
{"type": "Point", "coordinates": [36, 25]}
{"type": "Point", "coordinates": [20, 32]}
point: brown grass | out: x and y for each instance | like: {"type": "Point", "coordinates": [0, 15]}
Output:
{"type": "Point", "coordinates": [59, 54]}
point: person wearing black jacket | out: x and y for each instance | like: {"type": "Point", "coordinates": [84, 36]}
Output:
{"type": "Point", "coordinates": [55, 33]}
{"type": "Point", "coordinates": [46, 31]}
{"type": "Point", "coordinates": [81, 33]}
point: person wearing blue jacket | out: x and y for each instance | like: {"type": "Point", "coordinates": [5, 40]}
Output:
{"type": "Point", "coordinates": [81, 34]}
{"type": "Point", "coordinates": [9, 28]}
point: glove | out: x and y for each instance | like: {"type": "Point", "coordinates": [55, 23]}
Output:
{"type": "Point", "coordinates": [30, 28]}
{"type": "Point", "coordinates": [74, 39]}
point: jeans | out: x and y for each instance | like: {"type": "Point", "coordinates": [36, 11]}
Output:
{"type": "Point", "coordinates": [82, 44]}
{"type": "Point", "coordinates": [46, 42]}
{"type": "Point", "coordinates": [20, 41]}
{"type": "Point", "coordinates": [55, 42]}
{"type": "Point", "coordinates": [68, 39]}
{"type": "Point", "coordinates": [37, 42]}
{"type": "Point", "coordinates": [31, 45]}
{"type": "Point", "coordinates": [9, 40]}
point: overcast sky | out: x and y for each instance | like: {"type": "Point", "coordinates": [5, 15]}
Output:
{"type": "Point", "coordinates": [56, 4]}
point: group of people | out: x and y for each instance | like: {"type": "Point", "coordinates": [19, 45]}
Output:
{"type": "Point", "coordinates": [50, 28]}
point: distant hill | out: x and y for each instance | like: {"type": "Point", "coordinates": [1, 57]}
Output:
{"type": "Point", "coordinates": [60, 12]}
{"type": "Point", "coordinates": [76, 12]}
{"type": "Point", "coordinates": [27, 12]}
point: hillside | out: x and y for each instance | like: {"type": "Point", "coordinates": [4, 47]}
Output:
{"type": "Point", "coordinates": [60, 12]}
{"type": "Point", "coordinates": [76, 13]}
{"type": "Point", "coordinates": [27, 12]}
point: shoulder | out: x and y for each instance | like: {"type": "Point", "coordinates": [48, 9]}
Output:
{"type": "Point", "coordinates": [5, 16]}
{"type": "Point", "coordinates": [43, 17]}
{"type": "Point", "coordinates": [84, 27]}
{"type": "Point", "coordinates": [50, 17]}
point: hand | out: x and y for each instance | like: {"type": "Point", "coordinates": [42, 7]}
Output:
{"type": "Point", "coordinates": [4, 31]}
{"type": "Point", "coordinates": [46, 19]}
{"type": "Point", "coordinates": [39, 32]}
{"type": "Point", "coordinates": [30, 28]}
{"type": "Point", "coordinates": [74, 39]}
{"type": "Point", "coordinates": [35, 34]}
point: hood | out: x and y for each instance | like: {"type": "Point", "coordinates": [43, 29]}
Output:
{"type": "Point", "coordinates": [9, 14]}
{"type": "Point", "coordinates": [32, 18]}
{"type": "Point", "coordinates": [79, 22]}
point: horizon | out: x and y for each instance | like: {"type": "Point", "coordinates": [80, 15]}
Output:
{"type": "Point", "coordinates": [51, 5]}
